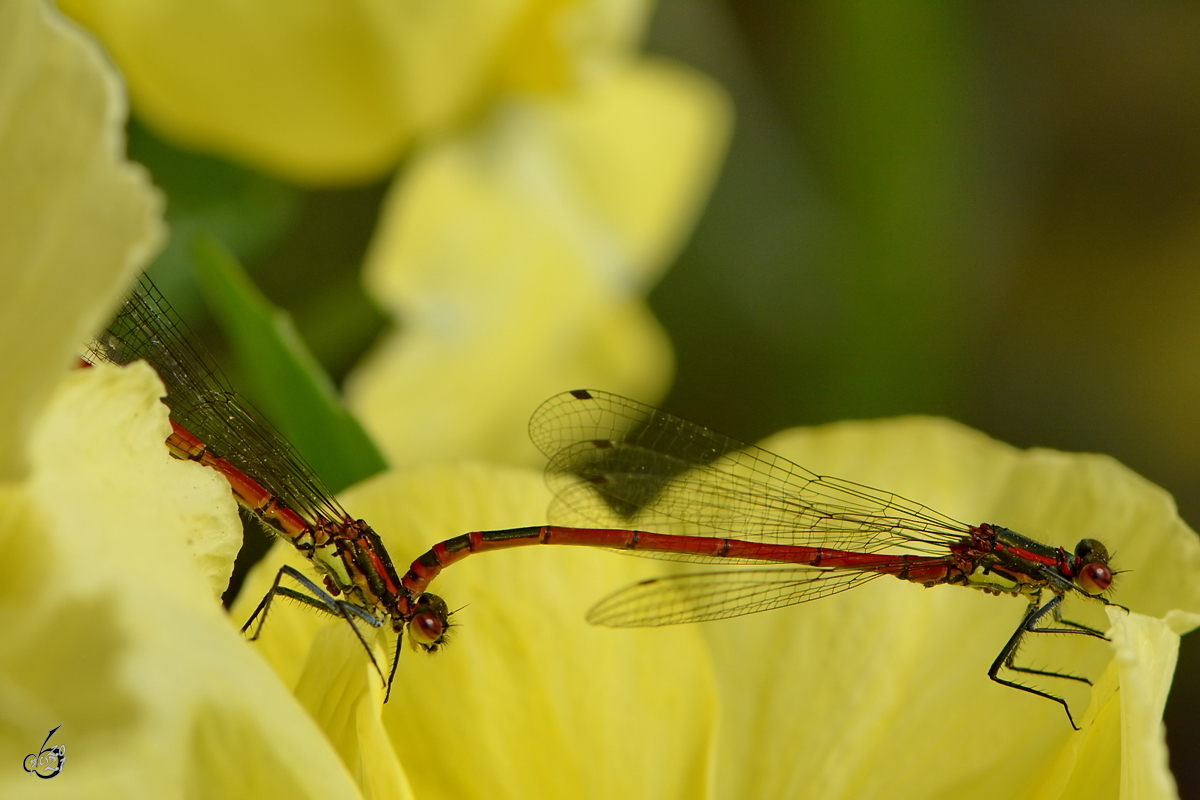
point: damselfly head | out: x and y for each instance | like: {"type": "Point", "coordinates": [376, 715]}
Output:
{"type": "Point", "coordinates": [429, 623]}
{"type": "Point", "coordinates": [1093, 574]}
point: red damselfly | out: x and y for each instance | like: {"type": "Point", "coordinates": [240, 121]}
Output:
{"type": "Point", "coordinates": [213, 426]}
{"type": "Point", "coordinates": [704, 497]}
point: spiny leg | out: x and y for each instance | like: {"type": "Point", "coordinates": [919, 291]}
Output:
{"type": "Point", "coordinates": [1075, 627]}
{"type": "Point", "coordinates": [1078, 628]}
{"type": "Point", "coordinates": [395, 662]}
{"type": "Point", "coordinates": [264, 605]}
{"type": "Point", "coordinates": [1029, 625]}
{"type": "Point", "coordinates": [320, 600]}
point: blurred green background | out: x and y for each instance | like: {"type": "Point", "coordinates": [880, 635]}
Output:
{"type": "Point", "coordinates": [986, 211]}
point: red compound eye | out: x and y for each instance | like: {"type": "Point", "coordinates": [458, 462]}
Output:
{"type": "Point", "coordinates": [1095, 578]}
{"type": "Point", "coordinates": [426, 629]}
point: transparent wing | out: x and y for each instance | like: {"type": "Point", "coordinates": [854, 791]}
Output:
{"type": "Point", "coordinates": [617, 462]}
{"type": "Point", "coordinates": [703, 596]}
{"type": "Point", "coordinates": [202, 401]}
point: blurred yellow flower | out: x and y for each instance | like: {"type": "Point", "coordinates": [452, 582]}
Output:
{"type": "Point", "coordinates": [77, 220]}
{"type": "Point", "coordinates": [326, 93]}
{"type": "Point", "coordinates": [558, 173]}
{"type": "Point", "coordinates": [517, 259]}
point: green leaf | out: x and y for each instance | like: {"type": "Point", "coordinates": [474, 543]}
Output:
{"type": "Point", "coordinates": [280, 375]}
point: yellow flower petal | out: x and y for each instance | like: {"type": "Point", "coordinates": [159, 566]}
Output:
{"type": "Point", "coordinates": [1147, 650]}
{"type": "Point", "coordinates": [319, 659]}
{"type": "Point", "coordinates": [557, 45]}
{"type": "Point", "coordinates": [527, 700]}
{"type": "Point", "coordinates": [317, 92]}
{"type": "Point", "coordinates": [515, 260]}
{"type": "Point", "coordinates": [76, 219]}
{"type": "Point", "coordinates": [120, 636]}
{"type": "Point", "coordinates": [66, 451]}
{"type": "Point", "coordinates": [344, 699]}
{"type": "Point", "coordinates": [329, 93]}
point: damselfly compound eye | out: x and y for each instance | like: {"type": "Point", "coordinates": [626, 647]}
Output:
{"type": "Point", "coordinates": [1094, 575]}
{"type": "Point", "coordinates": [426, 629]}
{"type": "Point", "coordinates": [1095, 578]}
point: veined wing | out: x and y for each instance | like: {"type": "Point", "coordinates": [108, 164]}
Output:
{"type": "Point", "coordinates": [202, 401]}
{"type": "Point", "coordinates": [703, 596]}
{"type": "Point", "coordinates": [617, 462]}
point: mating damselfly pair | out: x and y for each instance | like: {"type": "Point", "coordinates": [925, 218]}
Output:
{"type": "Point", "coordinates": [694, 494]}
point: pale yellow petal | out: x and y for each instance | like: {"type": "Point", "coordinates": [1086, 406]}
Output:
{"type": "Point", "coordinates": [345, 700]}
{"type": "Point", "coordinates": [317, 92]}
{"type": "Point", "coordinates": [636, 156]}
{"type": "Point", "coordinates": [1147, 650]}
{"type": "Point", "coordinates": [1084, 767]}
{"type": "Point", "coordinates": [540, 703]}
{"type": "Point", "coordinates": [288, 631]}
{"type": "Point", "coordinates": [322, 663]}
{"type": "Point", "coordinates": [319, 659]}
{"type": "Point", "coordinates": [333, 92]}
{"type": "Point", "coordinates": [559, 45]}
{"type": "Point", "coordinates": [441, 55]}
{"type": "Point", "coordinates": [76, 220]}
{"type": "Point", "coordinates": [515, 261]}
{"type": "Point", "coordinates": [68, 452]}
{"type": "Point", "coordinates": [873, 692]}
{"type": "Point", "coordinates": [120, 636]}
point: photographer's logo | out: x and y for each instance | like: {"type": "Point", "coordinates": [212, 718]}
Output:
{"type": "Point", "coordinates": [48, 761]}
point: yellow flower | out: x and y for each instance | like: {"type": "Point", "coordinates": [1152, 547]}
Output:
{"type": "Point", "coordinates": [77, 220]}
{"type": "Point", "coordinates": [335, 92]}
{"type": "Point", "coordinates": [517, 258]}
{"type": "Point", "coordinates": [557, 172]}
